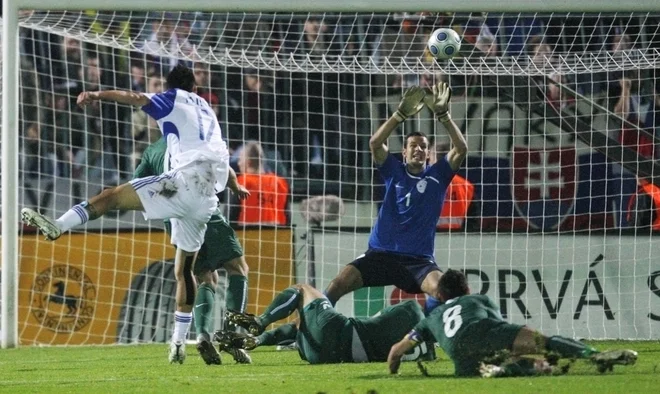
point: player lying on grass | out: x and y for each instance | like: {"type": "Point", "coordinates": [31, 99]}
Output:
{"type": "Point", "coordinates": [324, 335]}
{"type": "Point", "coordinates": [401, 244]}
{"type": "Point", "coordinates": [186, 193]}
{"type": "Point", "coordinates": [221, 249]}
{"type": "Point", "coordinates": [469, 328]}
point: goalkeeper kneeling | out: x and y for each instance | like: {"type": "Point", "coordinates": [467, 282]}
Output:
{"type": "Point", "coordinates": [470, 329]}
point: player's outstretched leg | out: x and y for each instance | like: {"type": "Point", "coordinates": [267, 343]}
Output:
{"type": "Point", "coordinates": [282, 306]}
{"type": "Point", "coordinates": [237, 270]}
{"type": "Point", "coordinates": [122, 197]}
{"type": "Point", "coordinates": [529, 341]}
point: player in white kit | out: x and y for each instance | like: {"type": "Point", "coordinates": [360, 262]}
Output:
{"type": "Point", "coordinates": [197, 167]}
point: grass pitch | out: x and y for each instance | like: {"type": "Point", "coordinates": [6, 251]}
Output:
{"type": "Point", "coordinates": [144, 368]}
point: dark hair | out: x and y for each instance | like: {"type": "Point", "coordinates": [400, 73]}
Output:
{"type": "Point", "coordinates": [453, 284]}
{"type": "Point", "coordinates": [181, 77]}
{"type": "Point", "coordinates": [413, 134]}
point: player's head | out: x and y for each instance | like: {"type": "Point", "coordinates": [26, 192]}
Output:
{"type": "Point", "coordinates": [453, 284]}
{"type": "Point", "coordinates": [416, 150]}
{"type": "Point", "coordinates": [181, 77]}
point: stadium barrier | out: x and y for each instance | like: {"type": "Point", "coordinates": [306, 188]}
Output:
{"type": "Point", "coordinates": [103, 288]}
{"type": "Point", "coordinates": [584, 286]}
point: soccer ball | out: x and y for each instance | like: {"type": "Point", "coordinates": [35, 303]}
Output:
{"type": "Point", "coordinates": [444, 43]}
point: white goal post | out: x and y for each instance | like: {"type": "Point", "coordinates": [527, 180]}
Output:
{"type": "Point", "coordinates": [10, 78]}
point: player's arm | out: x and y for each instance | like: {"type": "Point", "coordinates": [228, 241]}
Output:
{"type": "Point", "coordinates": [126, 97]}
{"type": "Point", "coordinates": [439, 104]}
{"type": "Point", "coordinates": [400, 348]}
{"type": "Point", "coordinates": [232, 184]}
{"type": "Point", "coordinates": [411, 103]}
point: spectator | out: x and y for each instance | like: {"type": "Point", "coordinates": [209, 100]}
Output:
{"type": "Point", "coordinates": [138, 83]}
{"type": "Point", "coordinates": [644, 206]}
{"type": "Point", "coordinates": [269, 194]}
{"type": "Point", "coordinates": [628, 107]}
{"type": "Point", "coordinates": [204, 86]}
{"type": "Point", "coordinates": [542, 58]}
{"type": "Point", "coordinates": [165, 38]}
{"type": "Point", "coordinates": [459, 206]}
{"type": "Point", "coordinates": [145, 131]}
{"type": "Point", "coordinates": [38, 168]}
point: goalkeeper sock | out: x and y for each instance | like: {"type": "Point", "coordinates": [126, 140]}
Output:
{"type": "Point", "coordinates": [181, 325]}
{"type": "Point", "coordinates": [75, 216]}
{"type": "Point", "coordinates": [569, 348]}
{"type": "Point", "coordinates": [237, 293]}
{"type": "Point", "coordinates": [204, 308]}
{"type": "Point", "coordinates": [282, 306]}
{"type": "Point", "coordinates": [286, 332]}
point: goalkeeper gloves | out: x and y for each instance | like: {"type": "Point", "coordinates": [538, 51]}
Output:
{"type": "Point", "coordinates": [411, 103]}
{"type": "Point", "coordinates": [439, 102]}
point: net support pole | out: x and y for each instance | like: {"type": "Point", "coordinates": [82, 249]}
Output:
{"type": "Point", "coordinates": [10, 132]}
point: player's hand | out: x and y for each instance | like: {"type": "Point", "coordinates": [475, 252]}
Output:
{"type": "Point", "coordinates": [394, 362]}
{"type": "Point", "coordinates": [439, 101]}
{"type": "Point", "coordinates": [241, 192]}
{"type": "Point", "coordinates": [411, 103]}
{"type": "Point", "coordinates": [86, 98]}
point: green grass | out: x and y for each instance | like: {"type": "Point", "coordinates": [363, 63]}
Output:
{"type": "Point", "coordinates": [144, 368]}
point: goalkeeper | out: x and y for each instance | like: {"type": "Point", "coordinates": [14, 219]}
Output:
{"type": "Point", "coordinates": [469, 328]}
{"type": "Point", "coordinates": [221, 249]}
{"type": "Point", "coordinates": [324, 335]}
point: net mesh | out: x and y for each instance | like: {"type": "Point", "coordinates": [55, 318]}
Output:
{"type": "Point", "coordinates": [559, 111]}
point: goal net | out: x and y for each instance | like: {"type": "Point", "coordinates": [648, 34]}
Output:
{"type": "Point", "coordinates": [559, 110]}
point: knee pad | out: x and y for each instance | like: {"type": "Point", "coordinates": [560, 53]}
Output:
{"type": "Point", "coordinates": [188, 279]}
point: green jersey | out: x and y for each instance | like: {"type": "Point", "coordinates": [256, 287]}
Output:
{"type": "Point", "coordinates": [153, 160]}
{"type": "Point", "coordinates": [468, 328]}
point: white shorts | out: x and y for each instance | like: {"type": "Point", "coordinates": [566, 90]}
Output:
{"type": "Point", "coordinates": [187, 197]}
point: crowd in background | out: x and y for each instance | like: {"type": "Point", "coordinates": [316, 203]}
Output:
{"type": "Point", "coordinates": [309, 126]}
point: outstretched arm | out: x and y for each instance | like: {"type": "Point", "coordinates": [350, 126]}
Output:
{"type": "Point", "coordinates": [411, 104]}
{"type": "Point", "coordinates": [396, 353]}
{"type": "Point", "coordinates": [127, 97]}
{"type": "Point", "coordinates": [439, 104]}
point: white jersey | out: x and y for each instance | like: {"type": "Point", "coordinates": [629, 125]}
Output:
{"type": "Point", "coordinates": [192, 132]}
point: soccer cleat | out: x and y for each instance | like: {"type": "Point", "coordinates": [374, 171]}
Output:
{"type": "Point", "coordinates": [606, 361]}
{"type": "Point", "coordinates": [239, 355]}
{"type": "Point", "coordinates": [44, 224]}
{"type": "Point", "coordinates": [231, 339]}
{"type": "Point", "coordinates": [235, 344]}
{"type": "Point", "coordinates": [246, 320]}
{"type": "Point", "coordinates": [490, 371]}
{"type": "Point", "coordinates": [207, 351]}
{"type": "Point", "coordinates": [177, 352]}
{"type": "Point", "coordinates": [288, 346]}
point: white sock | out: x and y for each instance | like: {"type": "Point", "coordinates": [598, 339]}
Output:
{"type": "Point", "coordinates": [181, 325]}
{"type": "Point", "coordinates": [75, 216]}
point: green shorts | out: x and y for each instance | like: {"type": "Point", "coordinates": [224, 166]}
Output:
{"type": "Point", "coordinates": [220, 245]}
{"type": "Point", "coordinates": [479, 340]}
{"type": "Point", "coordinates": [319, 334]}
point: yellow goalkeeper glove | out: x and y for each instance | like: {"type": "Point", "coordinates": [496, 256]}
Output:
{"type": "Point", "coordinates": [411, 103]}
{"type": "Point", "coordinates": [439, 101]}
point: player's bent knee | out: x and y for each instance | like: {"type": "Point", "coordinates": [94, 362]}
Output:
{"type": "Point", "coordinates": [208, 278]}
{"type": "Point", "coordinates": [237, 266]}
{"type": "Point", "coordinates": [529, 341]}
